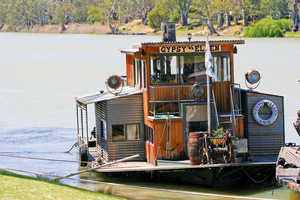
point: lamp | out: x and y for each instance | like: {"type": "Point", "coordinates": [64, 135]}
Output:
{"type": "Point", "coordinates": [189, 36]}
{"type": "Point", "coordinates": [198, 90]}
{"type": "Point", "coordinates": [252, 77]}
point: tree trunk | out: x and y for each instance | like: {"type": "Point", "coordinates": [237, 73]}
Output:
{"type": "Point", "coordinates": [236, 21]}
{"type": "Point", "coordinates": [210, 24]}
{"type": "Point", "coordinates": [245, 19]}
{"type": "Point", "coordinates": [63, 28]}
{"type": "Point", "coordinates": [295, 16]}
{"type": "Point", "coordinates": [227, 19]}
{"type": "Point", "coordinates": [1, 27]}
{"type": "Point", "coordinates": [220, 20]}
{"type": "Point", "coordinates": [145, 17]}
{"type": "Point", "coordinates": [184, 17]}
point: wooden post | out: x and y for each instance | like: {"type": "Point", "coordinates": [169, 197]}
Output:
{"type": "Point", "coordinates": [93, 168]}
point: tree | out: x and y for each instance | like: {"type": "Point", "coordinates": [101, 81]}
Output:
{"type": "Point", "coordinates": [184, 6]}
{"type": "Point", "coordinates": [295, 16]}
{"type": "Point", "coordinates": [62, 13]}
{"type": "Point", "coordinates": [143, 8]}
{"type": "Point", "coordinates": [3, 12]}
{"type": "Point", "coordinates": [205, 13]}
{"type": "Point", "coordinates": [278, 9]}
{"type": "Point", "coordinates": [164, 11]}
{"type": "Point", "coordinates": [14, 15]}
{"type": "Point", "coordinates": [80, 9]}
{"type": "Point", "coordinates": [249, 8]}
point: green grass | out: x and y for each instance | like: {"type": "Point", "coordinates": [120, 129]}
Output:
{"type": "Point", "coordinates": [292, 34]}
{"type": "Point", "coordinates": [14, 186]}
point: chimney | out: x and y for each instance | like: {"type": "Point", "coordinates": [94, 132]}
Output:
{"type": "Point", "coordinates": [168, 32]}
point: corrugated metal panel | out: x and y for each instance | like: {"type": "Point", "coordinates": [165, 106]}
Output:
{"type": "Point", "coordinates": [100, 113]}
{"type": "Point", "coordinates": [264, 140]}
{"type": "Point", "coordinates": [125, 110]}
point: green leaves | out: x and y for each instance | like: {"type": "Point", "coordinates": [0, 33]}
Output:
{"type": "Point", "coordinates": [268, 28]}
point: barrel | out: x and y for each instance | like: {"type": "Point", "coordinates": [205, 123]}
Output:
{"type": "Point", "coordinates": [193, 147]}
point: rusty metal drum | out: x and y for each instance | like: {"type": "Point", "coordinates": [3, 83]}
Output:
{"type": "Point", "coordinates": [193, 147]}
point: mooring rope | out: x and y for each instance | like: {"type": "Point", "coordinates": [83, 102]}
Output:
{"type": "Point", "coordinates": [74, 145]}
{"type": "Point", "coordinates": [55, 160]}
{"type": "Point", "coordinates": [255, 181]}
{"type": "Point", "coordinates": [139, 187]}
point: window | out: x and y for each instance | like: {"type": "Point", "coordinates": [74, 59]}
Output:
{"type": "Point", "coordinates": [184, 69]}
{"type": "Point", "coordinates": [149, 134]}
{"type": "Point", "coordinates": [136, 73]}
{"type": "Point", "coordinates": [143, 67]}
{"type": "Point", "coordinates": [164, 69]}
{"type": "Point", "coordinates": [125, 132]}
{"type": "Point", "coordinates": [103, 130]}
{"type": "Point", "coordinates": [221, 62]}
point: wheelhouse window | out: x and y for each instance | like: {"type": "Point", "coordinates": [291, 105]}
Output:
{"type": "Point", "coordinates": [184, 69]}
{"type": "Point", "coordinates": [139, 73]}
{"type": "Point", "coordinates": [125, 132]}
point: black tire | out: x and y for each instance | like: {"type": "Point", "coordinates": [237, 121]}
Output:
{"type": "Point", "coordinates": [83, 156]}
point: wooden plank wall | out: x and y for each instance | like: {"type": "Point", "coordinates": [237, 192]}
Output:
{"type": "Point", "coordinates": [160, 136]}
{"type": "Point", "coordinates": [222, 95]}
{"type": "Point", "coordinates": [265, 141]}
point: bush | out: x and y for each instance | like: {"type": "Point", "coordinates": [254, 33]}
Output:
{"type": "Point", "coordinates": [268, 28]}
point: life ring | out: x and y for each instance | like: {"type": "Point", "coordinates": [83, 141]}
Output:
{"type": "Point", "coordinates": [259, 105]}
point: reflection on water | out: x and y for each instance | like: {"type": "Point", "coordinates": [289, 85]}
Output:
{"type": "Point", "coordinates": [40, 74]}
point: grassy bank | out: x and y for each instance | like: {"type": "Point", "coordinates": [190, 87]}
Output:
{"type": "Point", "coordinates": [14, 186]}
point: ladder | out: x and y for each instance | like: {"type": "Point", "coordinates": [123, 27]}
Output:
{"type": "Point", "coordinates": [227, 120]}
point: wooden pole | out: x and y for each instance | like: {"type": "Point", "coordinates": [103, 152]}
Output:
{"type": "Point", "coordinates": [93, 168]}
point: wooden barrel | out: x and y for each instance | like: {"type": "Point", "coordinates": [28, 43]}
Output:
{"type": "Point", "coordinates": [193, 148]}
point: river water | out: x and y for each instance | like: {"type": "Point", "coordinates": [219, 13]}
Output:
{"type": "Point", "coordinates": [40, 74]}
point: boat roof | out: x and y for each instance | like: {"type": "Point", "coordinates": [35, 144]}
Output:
{"type": "Point", "coordinates": [106, 95]}
{"type": "Point", "coordinates": [172, 43]}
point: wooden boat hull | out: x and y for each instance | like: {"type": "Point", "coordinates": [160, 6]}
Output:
{"type": "Point", "coordinates": [209, 175]}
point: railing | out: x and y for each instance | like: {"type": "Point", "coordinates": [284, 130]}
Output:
{"type": "Point", "coordinates": [234, 102]}
{"type": "Point", "coordinates": [215, 106]}
{"type": "Point", "coordinates": [164, 99]}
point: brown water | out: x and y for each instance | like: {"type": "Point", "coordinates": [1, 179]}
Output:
{"type": "Point", "coordinates": [40, 74]}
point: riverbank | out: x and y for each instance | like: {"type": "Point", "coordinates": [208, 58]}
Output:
{"type": "Point", "coordinates": [134, 28]}
{"type": "Point", "coordinates": [14, 186]}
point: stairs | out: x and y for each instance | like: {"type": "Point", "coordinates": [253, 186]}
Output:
{"type": "Point", "coordinates": [227, 120]}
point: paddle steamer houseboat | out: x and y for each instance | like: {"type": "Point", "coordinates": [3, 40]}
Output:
{"type": "Point", "coordinates": [165, 97]}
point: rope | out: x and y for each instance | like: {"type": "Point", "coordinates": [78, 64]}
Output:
{"type": "Point", "coordinates": [255, 181]}
{"type": "Point", "coordinates": [138, 187]}
{"type": "Point", "coordinates": [55, 160]}
{"type": "Point", "coordinates": [76, 145]}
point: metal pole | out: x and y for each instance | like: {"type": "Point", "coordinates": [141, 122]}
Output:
{"type": "Point", "coordinates": [208, 106]}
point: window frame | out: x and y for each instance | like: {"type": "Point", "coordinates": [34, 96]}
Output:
{"type": "Point", "coordinates": [125, 134]}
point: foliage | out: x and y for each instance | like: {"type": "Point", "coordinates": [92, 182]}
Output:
{"type": "Point", "coordinates": [268, 28]}
{"type": "Point", "coordinates": [217, 133]}
{"type": "Point", "coordinates": [18, 14]}
{"type": "Point", "coordinates": [278, 9]}
{"type": "Point", "coordinates": [162, 13]}
{"type": "Point", "coordinates": [94, 15]}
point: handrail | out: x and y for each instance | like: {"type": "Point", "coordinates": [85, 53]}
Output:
{"type": "Point", "coordinates": [232, 112]}
{"type": "Point", "coordinates": [175, 96]}
{"type": "Point", "coordinates": [216, 112]}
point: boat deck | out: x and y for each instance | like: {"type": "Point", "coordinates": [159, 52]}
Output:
{"type": "Point", "coordinates": [166, 165]}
